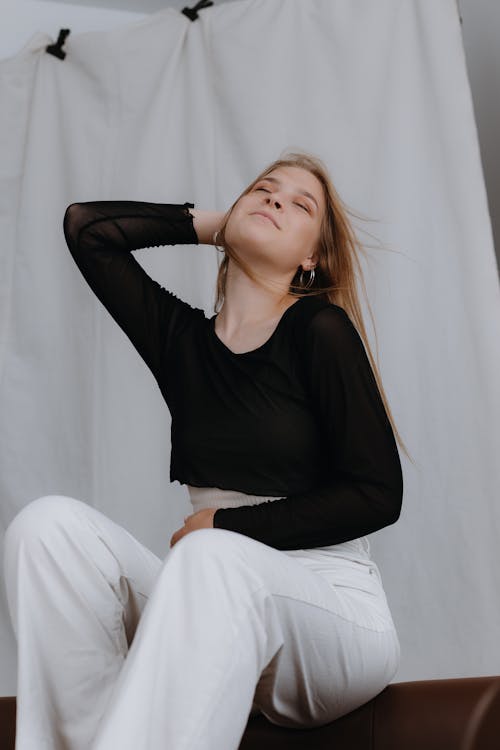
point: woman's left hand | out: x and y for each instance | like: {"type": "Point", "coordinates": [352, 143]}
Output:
{"type": "Point", "coordinates": [202, 519]}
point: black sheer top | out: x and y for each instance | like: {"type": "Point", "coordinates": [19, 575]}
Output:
{"type": "Point", "coordinates": [299, 417]}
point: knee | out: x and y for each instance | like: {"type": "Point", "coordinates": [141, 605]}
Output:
{"type": "Point", "coordinates": [207, 543]}
{"type": "Point", "coordinates": [38, 516]}
{"type": "Point", "coordinates": [208, 558]}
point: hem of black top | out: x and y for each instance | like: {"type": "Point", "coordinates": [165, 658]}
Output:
{"type": "Point", "coordinates": [230, 488]}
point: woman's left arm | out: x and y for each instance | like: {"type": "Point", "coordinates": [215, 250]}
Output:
{"type": "Point", "coordinates": [361, 490]}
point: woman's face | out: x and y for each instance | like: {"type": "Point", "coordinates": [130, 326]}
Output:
{"type": "Point", "coordinates": [293, 198]}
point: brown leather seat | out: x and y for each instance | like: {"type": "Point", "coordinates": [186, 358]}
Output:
{"type": "Point", "coordinates": [452, 714]}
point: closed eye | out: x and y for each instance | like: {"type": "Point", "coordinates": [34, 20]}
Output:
{"type": "Point", "coordinates": [297, 204]}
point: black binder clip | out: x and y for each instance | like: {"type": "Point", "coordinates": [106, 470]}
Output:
{"type": "Point", "coordinates": [56, 49]}
{"type": "Point", "coordinates": [192, 13]}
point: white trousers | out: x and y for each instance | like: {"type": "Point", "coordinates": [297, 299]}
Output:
{"type": "Point", "coordinates": [118, 649]}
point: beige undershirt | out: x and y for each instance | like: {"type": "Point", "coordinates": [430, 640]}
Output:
{"type": "Point", "coordinates": [213, 497]}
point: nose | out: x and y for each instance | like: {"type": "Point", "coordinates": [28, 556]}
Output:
{"type": "Point", "coordinates": [274, 201]}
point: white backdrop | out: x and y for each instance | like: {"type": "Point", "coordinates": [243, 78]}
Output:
{"type": "Point", "coordinates": [170, 110]}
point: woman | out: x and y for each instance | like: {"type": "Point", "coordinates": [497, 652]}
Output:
{"type": "Point", "coordinates": [267, 599]}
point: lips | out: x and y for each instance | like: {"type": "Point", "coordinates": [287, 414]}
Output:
{"type": "Point", "coordinates": [268, 216]}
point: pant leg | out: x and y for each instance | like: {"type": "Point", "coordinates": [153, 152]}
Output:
{"type": "Point", "coordinates": [295, 690]}
{"type": "Point", "coordinates": [231, 621]}
{"type": "Point", "coordinates": [76, 586]}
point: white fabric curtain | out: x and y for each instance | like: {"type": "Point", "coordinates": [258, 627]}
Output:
{"type": "Point", "coordinates": [170, 110]}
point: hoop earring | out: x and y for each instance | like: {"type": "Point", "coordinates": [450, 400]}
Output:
{"type": "Point", "coordinates": [310, 279]}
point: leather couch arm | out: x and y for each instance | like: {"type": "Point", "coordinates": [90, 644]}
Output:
{"type": "Point", "coordinates": [452, 714]}
{"type": "Point", "coordinates": [448, 714]}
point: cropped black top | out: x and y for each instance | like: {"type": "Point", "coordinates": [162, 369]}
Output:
{"type": "Point", "coordinates": [299, 417]}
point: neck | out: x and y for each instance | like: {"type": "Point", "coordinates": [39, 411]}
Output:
{"type": "Point", "coordinates": [247, 303]}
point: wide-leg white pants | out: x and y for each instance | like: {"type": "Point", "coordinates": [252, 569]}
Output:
{"type": "Point", "coordinates": [119, 649]}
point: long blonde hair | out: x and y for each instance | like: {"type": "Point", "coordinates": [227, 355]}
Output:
{"type": "Point", "coordinates": [338, 260]}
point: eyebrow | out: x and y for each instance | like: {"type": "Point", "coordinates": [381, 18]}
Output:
{"type": "Point", "coordinates": [302, 192]}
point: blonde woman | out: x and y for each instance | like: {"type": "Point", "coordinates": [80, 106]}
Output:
{"type": "Point", "coordinates": [267, 599]}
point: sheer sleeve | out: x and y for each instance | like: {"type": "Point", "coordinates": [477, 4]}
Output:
{"type": "Point", "coordinates": [361, 486]}
{"type": "Point", "coordinates": [100, 236]}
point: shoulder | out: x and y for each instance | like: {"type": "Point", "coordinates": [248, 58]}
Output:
{"type": "Point", "coordinates": [323, 325]}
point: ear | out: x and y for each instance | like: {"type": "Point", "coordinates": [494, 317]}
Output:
{"type": "Point", "coordinates": [310, 261]}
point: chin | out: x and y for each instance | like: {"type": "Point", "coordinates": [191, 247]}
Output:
{"type": "Point", "coordinates": [247, 241]}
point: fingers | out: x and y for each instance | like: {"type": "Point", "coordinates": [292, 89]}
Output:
{"type": "Point", "coordinates": [175, 537]}
{"type": "Point", "coordinates": [178, 534]}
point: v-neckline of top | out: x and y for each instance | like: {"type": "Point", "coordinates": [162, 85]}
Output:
{"type": "Point", "coordinates": [258, 348]}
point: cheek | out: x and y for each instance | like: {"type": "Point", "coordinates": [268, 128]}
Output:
{"type": "Point", "coordinates": [230, 224]}
{"type": "Point", "coordinates": [302, 231]}
{"type": "Point", "coordinates": [239, 223]}
{"type": "Point", "coordinates": [310, 233]}
{"type": "Point", "coordinates": [234, 229]}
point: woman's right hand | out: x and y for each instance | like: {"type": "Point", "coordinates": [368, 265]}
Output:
{"type": "Point", "coordinates": [206, 223]}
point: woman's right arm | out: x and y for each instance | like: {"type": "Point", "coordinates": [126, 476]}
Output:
{"type": "Point", "coordinates": [206, 223]}
{"type": "Point", "coordinates": [101, 235]}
